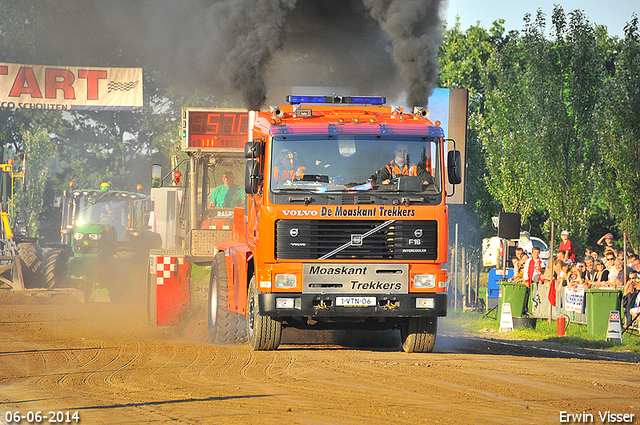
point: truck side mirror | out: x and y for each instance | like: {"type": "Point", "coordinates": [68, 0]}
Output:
{"type": "Point", "coordinates": [253, 149]}
{"type": "Point", "coordinates": [252, 177]}
{"type": "Point", "coordinates": [454, 167]}
{"type": "Point", "coordinates": [156, 175]}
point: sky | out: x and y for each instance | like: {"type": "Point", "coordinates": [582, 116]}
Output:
{"type": "Point", "coordinates": [614, 14]}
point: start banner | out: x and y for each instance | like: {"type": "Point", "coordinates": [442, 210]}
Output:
{"type": "Point", "coordinates": [70, 87]}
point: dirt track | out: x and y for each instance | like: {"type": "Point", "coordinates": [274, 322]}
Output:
{"type": "Point", "coordinates": [105, 362]}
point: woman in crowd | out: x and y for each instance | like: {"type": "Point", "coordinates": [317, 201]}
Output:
{"type": "Point", "coordinates": [601, 276]}
{"type": "Point", "coordinates": [575, 278]}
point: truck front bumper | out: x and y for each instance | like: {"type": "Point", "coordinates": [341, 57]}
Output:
{"type": "Point", "coordinates": [326, 305]}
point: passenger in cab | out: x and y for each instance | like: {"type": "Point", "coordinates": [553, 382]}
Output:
{"type": "Point", "coordinates": [285, 168]}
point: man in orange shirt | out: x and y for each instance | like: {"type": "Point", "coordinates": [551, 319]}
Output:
{"type": "Point", "coordinates": [398, 166]}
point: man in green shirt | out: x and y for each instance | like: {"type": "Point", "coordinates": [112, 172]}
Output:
{"type": "Point", "coordinates": [227, 195]}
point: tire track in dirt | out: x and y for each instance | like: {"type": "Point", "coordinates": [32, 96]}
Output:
{"type": "Point", "coordinates": [210, 363]}
{"type": "Point", "coordinates": [231, 358]}
{"type": "Point", "coordinates": [46, 366]}
{"type": "Point", "coordinates": [137, 352]}
{"type": "Point", "coordinates": [189, 366]}
{"type": "Point", "coordinates": [110, 361]}
{"type": "Point", "coordinates": [156, 372]}
{"type": "Point", "coordinates": [248, 363]}
{"type": "Point", "coordinates": [288, 368]}
{"type": "Point", "coordinates": [70, 360]}
{"type": "Point", "coordinates": [269, 367]}
{"type": "Point", "coordinates": [50, 378]}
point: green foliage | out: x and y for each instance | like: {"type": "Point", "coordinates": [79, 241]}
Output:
{"type": "Point", "coordinates": [620, 132]}
{"type": "Point", "coordinates": [541, 131]}
{"type": "Point", "coordinates": [462, 59]}
{"type": "Point", "coordinates": [29, 201]}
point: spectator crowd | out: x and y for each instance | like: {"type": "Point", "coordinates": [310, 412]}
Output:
{"type": "Point", "coordinates": [611, 270]}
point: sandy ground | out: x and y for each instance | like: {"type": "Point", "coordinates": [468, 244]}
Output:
{"type": "Point", "coordinates": [108, 364]}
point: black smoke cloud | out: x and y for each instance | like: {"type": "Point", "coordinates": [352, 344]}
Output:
{"type": "Point", "coordinates": [247, 46]}
{"type": "Point", "coordinates": [415, 30]}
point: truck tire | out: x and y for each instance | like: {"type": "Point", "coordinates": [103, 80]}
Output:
{"type": "Point", "coordinates": [418, 334]}
{"type": "Point", "coordinates": [55, 268]}
{"type": "Point", "coordinates": [31, 262]}
{"type": "Point", "coordinates": [225, 327]}
{"type": "Point", "coordinates": [264, 331]}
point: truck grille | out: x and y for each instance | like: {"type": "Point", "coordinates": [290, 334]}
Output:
{"type": "Point", "coordinates": [313, 239]}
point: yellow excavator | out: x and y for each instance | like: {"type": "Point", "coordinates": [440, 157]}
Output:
{"type": "Point", "coordinates": [21, 261]}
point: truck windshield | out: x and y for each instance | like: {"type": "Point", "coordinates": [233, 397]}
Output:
{"type": "Point", "coordinates": [356, 163]}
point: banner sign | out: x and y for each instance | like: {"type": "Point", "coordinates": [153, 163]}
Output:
{"type": "Point", "coordinates": [574, 299]}
{"type": "Point", "coordinates": [70, 87]}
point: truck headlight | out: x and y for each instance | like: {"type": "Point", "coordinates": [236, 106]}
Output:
{"type": "Point", "coordinates": [286, 281]}
{"type": "Point", "coordinates": [285, 303]}
{"type": "Point", "coordinates": [78, 236]}
{"type": "Point", "coordinates": [429, 303]}
{"type": "Point", "coordinates": [94, 236]}
{"type": "Point", "coordinates": [424, 281]}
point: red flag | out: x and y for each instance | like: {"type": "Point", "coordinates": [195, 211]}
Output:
{"type": "Point", "coordinates": [552, 292]}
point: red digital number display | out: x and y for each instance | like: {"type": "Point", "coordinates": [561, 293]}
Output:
{"type": "Point", "coordinates": [218, 129]}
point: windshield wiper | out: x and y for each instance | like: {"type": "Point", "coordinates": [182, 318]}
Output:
{"type": "Point", "coordinates": [305, 199]}
{"type": "Point", "coordinates": [416, 198]}
{"type": "Point", "coordinates": [367, 193]}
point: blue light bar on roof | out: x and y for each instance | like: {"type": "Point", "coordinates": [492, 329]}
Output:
{"type": "Point", "coordinates": [362, 100]}
{"type": "Point", "coordinates": [371, 100]}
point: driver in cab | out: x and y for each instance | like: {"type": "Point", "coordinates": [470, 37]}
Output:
{"type": "Point", "coordinates": [108, 216]}
{"type": "Point", "coordinates": [398, 166]}
{"type": "Point", "coordinates": [285, 168]}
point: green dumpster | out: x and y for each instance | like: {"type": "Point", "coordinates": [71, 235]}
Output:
{"type": "Point", "coordinates": [514, 294]}
{"type": "Point", "coordinates": [600, 302]}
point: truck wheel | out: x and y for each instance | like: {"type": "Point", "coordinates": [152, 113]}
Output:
{"type": "Point", "coordinates": [418, 334]}
{"type": "Point", "coordinates": [264, 331]}
{"type": "Point", "coordinates": [55, 268]}
{"type": "Point", "coordinates": [225, 327]}
{"type": "Point", "coordinates": [31, 261]}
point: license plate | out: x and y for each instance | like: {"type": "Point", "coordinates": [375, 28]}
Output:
{"type": "Point", "coordinates": [355, 301]}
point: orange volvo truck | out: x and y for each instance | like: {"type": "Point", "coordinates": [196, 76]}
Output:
{"type": "Point", "coordinates": [344, 224]}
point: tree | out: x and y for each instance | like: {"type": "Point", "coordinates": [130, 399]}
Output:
{"type": "Point", "coordinates": [541, 137]}
{"type": "Point", "coordinates": [463, 57]}
{"type": "Point", "coordinates": [29, 201]}
{"type": "Point", "coordinates": [620, 131]}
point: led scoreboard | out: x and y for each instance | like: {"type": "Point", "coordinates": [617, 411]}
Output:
{"type": "Point", "coordinates": [220, 129]}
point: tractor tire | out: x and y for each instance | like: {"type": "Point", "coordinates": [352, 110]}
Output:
{"type": "Point", "coordinates": [32, 264]}
{"type": "Point", "coordinates": [418, 334]}
{"type": "Point", "coordinates": [264, 332]}
{"type": "Point", "coordinates": [55, 268]}
{"type": "Point", "coordinates": [225, 326]}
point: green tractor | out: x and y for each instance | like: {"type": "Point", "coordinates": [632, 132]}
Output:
{"type": "Point", "coordinates": [107, 237]}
